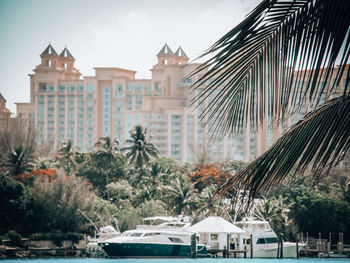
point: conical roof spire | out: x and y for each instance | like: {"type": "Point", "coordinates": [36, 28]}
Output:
{"type": "Point", "coordinates": [66, 54]}
{"type": "Point", "coordinates": [180, 53]}
{"type": "Point", "coordinates": [2, 97]}
{"type": "Point", "coordinates": [49, 51]}
{"type": "Point", "coordinates": [165, 50]}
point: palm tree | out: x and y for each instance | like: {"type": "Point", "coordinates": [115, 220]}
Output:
{"type": "Point", "coordinates": [107, 151]}
{"type": "Point", "coordinates": [66, 157]}
{"type": "Point", "coordinates": [106, 155]}
{"type": "Point", "coordinates": [281, 56]}
{"type": "Point", "coordinates": [181, 195]}
{"type": "Point", "coordinates": [153, 180]}
{"type": "Point", "coordinates": [19, 161]}
{"type": "Point", "coordinates": [139, 150]}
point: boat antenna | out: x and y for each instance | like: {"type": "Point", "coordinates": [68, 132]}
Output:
{"type": "Point", "coordinates": [92, 223]}
{"type": "Point", "coordinates": [99, 217]}
{"type": "Point", "coordinates": [116, 222]}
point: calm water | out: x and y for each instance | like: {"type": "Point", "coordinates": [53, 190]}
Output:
{"type": "Point", "coordinates": [207, 260]}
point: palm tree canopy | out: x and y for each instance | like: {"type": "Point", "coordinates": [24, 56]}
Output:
{"type": "Point", "coordinates": [107, 151]}
{"type": "Point", "coordinates": [139, 151]}
{"type": "Point", "coordinates": [284, 54]}
{"type": "Point", "coordinates": [66, 156]}
{"type": "Point", "coordinates": [19, 160]}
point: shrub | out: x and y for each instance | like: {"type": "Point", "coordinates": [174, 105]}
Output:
{"type": "Point", "coordinates": [57, 237]}
{"type": "Point", "coordinates": [15, 239]}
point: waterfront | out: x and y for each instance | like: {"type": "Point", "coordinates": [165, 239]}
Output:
{"type": "Point", "coordinates": [179, 260]}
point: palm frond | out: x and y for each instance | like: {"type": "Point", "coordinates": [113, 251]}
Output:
{"type": "Point", "coordinates": [321, 138]}
{"type": "Point", "coordinates": [282, 54]}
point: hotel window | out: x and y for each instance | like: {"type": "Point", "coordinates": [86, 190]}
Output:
{"type": "Point", "coordinates": [148, 88]}
{"type": "Point", "coordinates": [129, 87]}
{"type": "Point", "coordinates": [138, 101]}
{"type": "Point", "coordinates": [119, 88]}
{"type": "Point", "coordinates": [42, 87]}
{"type": "Point", "coordinates": [139, 87]}
{"type": "Point", "coordinates": [106, 110]}
{"type": "Point", "coordinates": [51, 88]}
{"type": "Point", "coordinates": [119, 96]}
{"type": "Point", "coordinates": [90, 88]}
{"type": "Point", "coordinates": [61, 88]}
{"type": "Point", "coordinates": [157, 86]}
{"type": "Point", "coordinates": [90, 96]}
{"type": "Point", "coordinates": [81, 88]}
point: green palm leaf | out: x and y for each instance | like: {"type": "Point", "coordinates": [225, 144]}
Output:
{"type": "Point", "coordinates": [281, 57]}
{"type": "Point", "coordinates": [321, 138]}
{"type": "Point", "coordinates": [139, 151]}
{"type": "Point", "coordinates": [259, 65]}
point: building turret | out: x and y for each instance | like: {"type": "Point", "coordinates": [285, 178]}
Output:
{"type": "Point", "coordinates": [66, 59]}
{"type": "Point", "coordinates": [167, 57]}
{"type": "Point", "coordinates": [49, 57]}
{"type": "Point", "coordinates": [66, 65]}
{"type": "Point", "coordinates": [181, 57]}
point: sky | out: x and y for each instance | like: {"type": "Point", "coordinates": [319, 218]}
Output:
{"type": "Point", "coordinates": [106, 33]}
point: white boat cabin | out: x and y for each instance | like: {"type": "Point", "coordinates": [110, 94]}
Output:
{"type": "Point", "coordinates": [217, 233]}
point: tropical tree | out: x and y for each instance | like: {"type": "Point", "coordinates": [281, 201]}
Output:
{"type": "Point", "coordinates": [281, 57]}
{"type": "Point", "coordinates": [139, 151]}
{"type": "Point", "coordinates": [19, 160]}
{"type": "Point", "coordinates": [63, 202]}
{"type": "Point", "coordinates": [180, 195]}
{"type": "Point", "coordinates": [107, 151]}
{"type": "Point", "coordinates": [107, 155]}
{"type": "Point", "coordinates": [18, 147]}
{"type": "Point", "coordinates": [66, 157]}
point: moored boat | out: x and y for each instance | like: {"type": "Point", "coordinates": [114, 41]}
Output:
{"type": "Point", "coordinates": [151, 243]}
{"type": "Point", "coordinates": [265, 241]}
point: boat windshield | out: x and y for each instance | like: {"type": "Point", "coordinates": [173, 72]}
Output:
{"type": "Point", "coordinates": [130, 234]}
{"type": "Point", "coordinates": [267, 240]}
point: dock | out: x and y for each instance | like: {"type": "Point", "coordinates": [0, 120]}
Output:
{"type": "Point", "coordinates": [227, 254]}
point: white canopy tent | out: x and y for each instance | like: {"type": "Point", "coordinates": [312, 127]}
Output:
{"type": "Point", "coordinates": [214, 231]}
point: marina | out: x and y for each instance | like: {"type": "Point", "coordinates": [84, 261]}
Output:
{"type": "Point", "coordinates": [207, 260]}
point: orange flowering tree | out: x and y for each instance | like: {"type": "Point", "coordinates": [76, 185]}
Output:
{"type": "Point", "coordinates": [51, 174]}
{"type": "Point", "coordinates": [208, 174]}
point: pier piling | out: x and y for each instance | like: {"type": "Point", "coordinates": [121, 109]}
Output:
{"type": "Point", "coordinates": [281, 237]}
{"type": "Point", "coordinates": [194, 246]}
{"type": "Point", "coordinates": [251, 246]}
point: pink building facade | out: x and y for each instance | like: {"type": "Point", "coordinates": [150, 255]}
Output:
{"type": "Point", "coordinates": [64, 105]}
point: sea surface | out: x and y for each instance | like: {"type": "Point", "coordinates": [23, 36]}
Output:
{"type": "Point", "coordinates": [206, 260]}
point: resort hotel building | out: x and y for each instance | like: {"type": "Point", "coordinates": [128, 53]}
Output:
{"type": "Point", "coordinates": [64, 105]}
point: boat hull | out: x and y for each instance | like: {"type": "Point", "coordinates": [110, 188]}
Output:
{"type": "Point", "coordinates": [289, 250]}
{"type": "Point", "coordinates": [119, 250]}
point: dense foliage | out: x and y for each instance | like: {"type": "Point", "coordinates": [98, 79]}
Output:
{"type": "Point", "coordinates": [69, 193]}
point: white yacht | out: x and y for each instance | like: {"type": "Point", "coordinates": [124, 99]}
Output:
{"type": "Point", "coordinates": [151, 243]}
{"type": "Point", "coordinates": [165, 222]}
{"type": "Point", "coordinates": [105, 232]}
{"type": "Point", "coordinates": [265, 241]}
